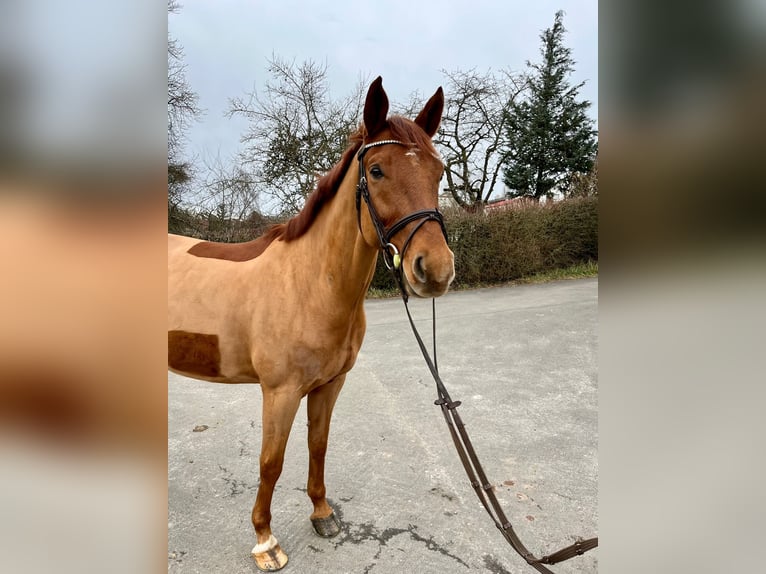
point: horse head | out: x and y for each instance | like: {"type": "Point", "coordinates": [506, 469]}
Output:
{"type": "Point", "coordinates": [399, 172]}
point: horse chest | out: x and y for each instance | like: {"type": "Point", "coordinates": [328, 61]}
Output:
{"type": "Point", "coordinates": [327, 358]}
{"type": "Point", "coordinates": [309, 352]}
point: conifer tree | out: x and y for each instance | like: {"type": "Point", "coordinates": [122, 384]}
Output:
{"type": "Point", "coordinates": [549, 134]}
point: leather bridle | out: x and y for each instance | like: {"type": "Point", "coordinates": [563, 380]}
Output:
{"type": "Point", "coordinates": [392, 257]}
{"type": "Point", "coordinates": [483, 488]}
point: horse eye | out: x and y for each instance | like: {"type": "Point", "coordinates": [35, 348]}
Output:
{"type": "Point", "coordinates": [376, 172]}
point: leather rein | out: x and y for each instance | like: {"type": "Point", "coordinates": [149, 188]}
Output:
{"type": "Point", "coordinates": [476, 475]}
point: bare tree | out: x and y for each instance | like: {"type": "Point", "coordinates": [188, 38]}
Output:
{"type": "Point", "coordinates": [182, 110]}
{"type": "Point", "coordinates": [226, 204]}
{"type": "Point", "coordinates": [472, 131]}
{"type": "Point", "coordinates": [297, 129]}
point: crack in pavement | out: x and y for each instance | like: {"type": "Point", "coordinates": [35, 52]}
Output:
{"type": "Point", "coordinates": [491, 564]}
{"type": "Point", "coordinates": [368, 532]}
{"type": "Point", "coordinates": [235, 486]}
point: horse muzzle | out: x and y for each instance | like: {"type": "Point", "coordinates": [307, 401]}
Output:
{"type": "Point", "coordinates": [429, 273]}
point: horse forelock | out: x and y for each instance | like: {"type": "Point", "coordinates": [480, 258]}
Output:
{"type": "Point", "coordinates": [409, 132]}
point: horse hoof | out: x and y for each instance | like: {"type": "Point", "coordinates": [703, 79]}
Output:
{"type": "Point", "coordinates": [326, 527]}
{"type": "Point", "coordinates": [269, 556]}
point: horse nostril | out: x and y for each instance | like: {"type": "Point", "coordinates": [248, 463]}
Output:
{"type": "Point", "coordinates": [418, 269]}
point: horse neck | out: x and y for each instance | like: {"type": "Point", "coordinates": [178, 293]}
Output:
{"type": "Point", "coordinates": [346, 263]}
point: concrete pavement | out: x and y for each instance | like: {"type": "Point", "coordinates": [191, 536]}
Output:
{"type": "Point", "coordinates": [523, 361]}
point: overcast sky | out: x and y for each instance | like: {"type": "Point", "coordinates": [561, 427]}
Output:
{"type": "Point", "coordinates": [227, 44]}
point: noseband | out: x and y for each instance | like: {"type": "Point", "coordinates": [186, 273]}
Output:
{"type": "Point", "coordinates": [391, 255]}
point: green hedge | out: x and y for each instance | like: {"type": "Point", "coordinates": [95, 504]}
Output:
{"type": "Point", "coordinates": [506, 244]}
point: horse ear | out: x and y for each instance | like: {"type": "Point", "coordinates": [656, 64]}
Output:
{"type": "Point", "coordinates": [375, 108]}
{"type": "Point", "coordinates": [431, 115]}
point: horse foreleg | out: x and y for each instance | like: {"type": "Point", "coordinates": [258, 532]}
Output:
{"type": "Point", "coordinates": [279, 410]}
{"type": "Point", "coordinates": [320, 404]}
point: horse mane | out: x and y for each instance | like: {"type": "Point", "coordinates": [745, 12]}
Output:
{"type": "Point", "coordinates": [326, 188]}
{"type": "Point", "coordinates": [401, 129]}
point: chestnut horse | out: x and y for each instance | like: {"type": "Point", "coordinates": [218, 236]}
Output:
{"type": "Point", "coordinates": [286, 310]}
